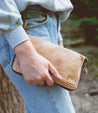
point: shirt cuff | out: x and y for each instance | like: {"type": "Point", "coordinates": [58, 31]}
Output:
{"type": "Point", "coordinates": [16, 36]}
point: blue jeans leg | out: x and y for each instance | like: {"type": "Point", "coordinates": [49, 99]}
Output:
{"type": "Point", "coordinates": [38, 99]}
{"type": "Point", "coordinates": [27, 109]}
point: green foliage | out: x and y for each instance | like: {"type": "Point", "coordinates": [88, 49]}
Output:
{"type": "Point", "coordinates": [85, 15]}
{"type": "Point", "coordinates": [91, 4]}
{"type": "Point", "coordinates": [96, 37]}
{"type": "Point", "coordinates": [88, 21]}
{"type": "Point", "coordinates": [96, 74]}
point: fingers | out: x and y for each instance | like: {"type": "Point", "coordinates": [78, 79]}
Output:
{"type": "Point", "coordinates": [60, 43]}
{"type": "Point", "coordinates": [41, 75]}
{"type": "Point", "coordinates": [38, 81]}
{"type": "Point", "coordinates": [48, 79]}
{"type": "Point", "coordinates": [54, 72]}
{"type": "Point", "coordinates": [45, 79]}
{"type": "Point", "coordinates": [30, 81]}
{"type": "Point", "coordinates": [42, 80]}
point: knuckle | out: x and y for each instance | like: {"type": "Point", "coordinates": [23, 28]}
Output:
{"type": "Point", "coordinates": [35, 83]}
{"type": "Point", "coordinates": [41, 83]}
{"type": "Point", "coordinates": [39, 79]}
{"type": "Point", "coordinates": [27, 79]}
{"type": "Point", "coordinates": [46, 65]}
{"type": "Point", "coordinates": [45, 76]}
{"type": "Point", "coordinates": [29, 82]}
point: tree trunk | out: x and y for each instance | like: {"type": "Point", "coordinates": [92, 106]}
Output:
{"type": "Point", "coordinates": [10, 99]}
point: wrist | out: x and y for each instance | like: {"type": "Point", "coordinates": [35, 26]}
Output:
{"type": "Point", "coordinates": [24, 49]}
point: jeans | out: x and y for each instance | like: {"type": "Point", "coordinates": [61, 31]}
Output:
{"type": "Point", "coordinates": [37, 99]}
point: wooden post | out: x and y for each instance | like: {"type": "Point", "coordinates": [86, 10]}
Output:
{"type": "Point", "coordinates": [10, 99]}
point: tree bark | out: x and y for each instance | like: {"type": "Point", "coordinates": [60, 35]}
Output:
{"type": "Point", "coordinates": [10, 99]}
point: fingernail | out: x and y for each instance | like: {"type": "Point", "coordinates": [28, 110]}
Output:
{"type": "Point", "coordinates": [59, 76]}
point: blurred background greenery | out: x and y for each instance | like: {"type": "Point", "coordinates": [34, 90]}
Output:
{"type": "Point", "coordinates": [85, 17]}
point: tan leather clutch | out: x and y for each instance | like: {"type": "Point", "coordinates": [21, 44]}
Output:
{"type": "Point", "coordinates": [67, 62]}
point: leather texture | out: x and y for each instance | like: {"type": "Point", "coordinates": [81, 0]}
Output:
{"type": "Point", "coordinates": [67, 62]}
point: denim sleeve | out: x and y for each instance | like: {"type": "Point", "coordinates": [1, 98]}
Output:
{"type": "Point", "coordinates": [59, 33]}
{"type": "Point", "coordinates": [11, 23]}
{"type": "Point", "coordinates": [60, 37]}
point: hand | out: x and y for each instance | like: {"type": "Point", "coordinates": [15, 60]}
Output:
{"type": "Point", "coordinates": [33, 66]}
{"type": "Point", "coordinates": [60, 43]}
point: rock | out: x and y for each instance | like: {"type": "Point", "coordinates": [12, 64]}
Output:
{"type": "Point", "coordinates": [72, 37]}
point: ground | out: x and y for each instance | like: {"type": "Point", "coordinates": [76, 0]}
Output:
{"type": "Point", "coordinates": [85, 97]}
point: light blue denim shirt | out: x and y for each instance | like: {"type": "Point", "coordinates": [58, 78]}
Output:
{"type": "Point", "coordinates": [10, 18]}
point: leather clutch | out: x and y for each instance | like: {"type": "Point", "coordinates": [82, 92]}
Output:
{"type": "Point", "coordinates": [67, 62]}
